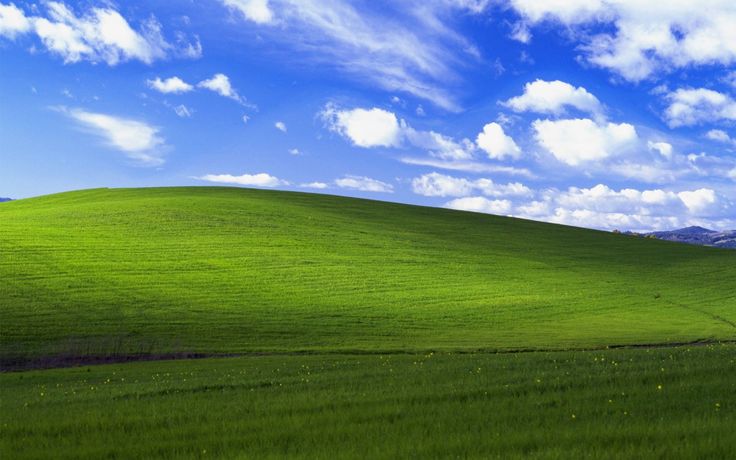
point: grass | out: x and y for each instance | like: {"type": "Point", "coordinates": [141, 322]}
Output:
{"type": "Point", "coordinates": [367, 329]}
{"type": "Point", "coordinates": [223, 270]}
{"type": "Point", "coordinates": [658, 403]}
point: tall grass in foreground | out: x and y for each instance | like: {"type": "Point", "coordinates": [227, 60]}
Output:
{"type": "Point", "coordinates": [633, 403]}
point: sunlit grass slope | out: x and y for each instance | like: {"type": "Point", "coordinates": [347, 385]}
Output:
{"type": "Point", "coordinates": [223, 270]}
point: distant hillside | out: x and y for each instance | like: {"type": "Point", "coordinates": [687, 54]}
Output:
{"type": "Point", "coordinates": [230, 270]}
{"type": "Point", "coordinates": [3, 200]}
{"type": "Point", "coordinates": [699, 236]}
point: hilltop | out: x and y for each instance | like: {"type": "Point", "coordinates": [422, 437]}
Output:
{"type": "Point", "coordinates": [226, 270]}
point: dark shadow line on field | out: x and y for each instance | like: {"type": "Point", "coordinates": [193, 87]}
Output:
{"type": "Point", "coordinates": [56, 362]}
{"type": "Point", "coordinates": [712, 316]}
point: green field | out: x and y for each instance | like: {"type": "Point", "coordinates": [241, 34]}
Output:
{"type": "Point", "coordinates": [366, 329]}
{"type": "Point", "coordinates": [660, 403]}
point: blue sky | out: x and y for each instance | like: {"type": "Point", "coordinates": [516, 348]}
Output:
{"type": "Point", "coordinates": [597, 113]}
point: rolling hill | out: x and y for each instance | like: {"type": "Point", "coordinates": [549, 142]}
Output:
{"type": "Point", "coordinates": [366, 329]}
{"type": "Point", "coordinates": [120, 272]}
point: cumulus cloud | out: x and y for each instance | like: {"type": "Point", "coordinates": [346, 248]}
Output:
{"type": "Point", "coordinates": [254, 180]}
{"type": "Point", "coordinates": [13, 21]}
{"type": "Point", "coordinates": [643, 38]}
{"type": "Point", "coordinates": [628, 209]}
{"type": "Point", "coordinates": [496, 143]}
{"type": "Point", "coordinates": [315, 185]}
{"type": "Point", "coordinates": [281, 126]}
{"type": "Point", "coordinates": [364, 184]}
{"type": "Point", "coordinates": [554, 97]}
{"type": "Point", "coordinates": [577, 141]}
{"type": "Point", "coordinates": [375, 127]}
{"type": "Point", "coordinates": [220, 84]}
{"type": "Point", "coordinates": [257, 11]}
{"type": "Point", "coordinates": [663, 148]}
{"type": "Point", "coordinates": [365, 127]}
{"type": "Point", "coordinates": [170, 85]}
{"type": "Point", "coordinates": [718, 135]}
{"type": "Point", "coordinates": [696, 106]}
{"type": "Point", "coordinates": [435, 184]}
{"type": "Point", "coordinates": [698, 201]}
{"type": "Point", "coordinates": [480, 204]}
{"type": "Point", "coordinates": [138, 140]}
{"type": "Point", "coordinates": [418, 54]}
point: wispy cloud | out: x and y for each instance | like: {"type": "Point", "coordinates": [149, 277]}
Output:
{"type": "Point", "coordinates": [409, 49]}
{"type": "Point", "coordinates": [364, 184]}
{"type": "Point", "coordinates": [136, 139]}
{"type": "Point", "coordinates": [220, 84]}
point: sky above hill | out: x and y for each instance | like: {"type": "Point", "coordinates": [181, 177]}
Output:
{"type": "Point", "coordinates": [596, 113]}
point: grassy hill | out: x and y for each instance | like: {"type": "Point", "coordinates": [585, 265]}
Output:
{"type": "Point", "coordinates": [226, 270]}
{"type": "Point", "coordinates": [369, 330]}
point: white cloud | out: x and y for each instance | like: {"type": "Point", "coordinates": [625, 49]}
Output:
{"type": "Point", "coordinates": [438, 145]}
{"type": "Point", "coordinates": [577, 141]}
{"type": "Point", "coordinates": [364, 127]}
{"type": "Point", "coordinates": [183, 111]}
{"type": "Point", "coordinates": [521, 33]}
{"type": "Point", "coordinates": [496, 143]}
{"type": "Point", "coordinates": [435, 184]}
{"type": "Point", "coordinates": [220, 83]}
{"type": "Point", "coordinates": [370, 128]}
{"type": "Point", "coordinates": [663, 148]}
{"type": "Point", "coordinates": [315, 185]}
{"type": "Point", "coordinates": [730, 79]}
{"type": "Point", "coordinates": [255, 180]}
{"type": "Point", "coordinates": [13, 21]}
{"type": "Point", "coordinates": [567, 11]}
{"type": "Point", "coordinates": [695, 106]}
{"type": "Point", "coordinates": [294, 152]}
{"type": "Point", "coordinates": [281, 126]}
{"type": "Point", "coordinates": [411, 49]}
{"type": "Point", "coordinates": [655, 172]}
{"type": "Point", "coordinates": [173, 85]}
{"type": "Point", "coordinates": [698, 201]}
{"type": "Point", "coordinates": [554, 97]}
{"type": "Point", "coordinates": [468, 166]}
{"type": "Point", "coordinates": [364, 184]}
{"type": "Point", "coordinates": [641, 38]}
{"type": "Point", "coordinates": [100, 35]}
{"type": "Point", "coordinates": [480, 204]}
{"type": "Point", "coordinates": [136, 139]}
{"type": "Point", "coordinates": [254, 10]}
{"type": "Point", "coordinates": [245, 119]}
{"type": "Point", "coordinates": [719, 135]}
{"type": "Point", "coordinates": [628, 209]}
